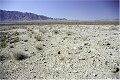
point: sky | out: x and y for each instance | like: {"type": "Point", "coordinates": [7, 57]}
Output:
{"type": "Point", "coordinates": [69, 9]}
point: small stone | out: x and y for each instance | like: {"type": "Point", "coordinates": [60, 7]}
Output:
{"type": "Point", "coordinates": [61, 59]}
{"type": "Point", "coordinates": [74, 38]}
{"type": "Point", "coordinates": [85, 43]}
{"type": "Point", "coordinates": [11, 46]}
{"type": "Point", "coordinates": [115, 70]}
{"type": "Point", "coordinates": [95, 75]}
{"type": "Point", "coordinates": [69, 53]}
{"type": "Point", "coordinates": [34, 76]}
{"type": "Point", "coordinates": [89, 51]}
{"type": "Point", "coordinates": [45, 62]}
{"type": "Point", "coordinates": [59, 52]}
{"type": "Point", "coordinates": [106, 62]}
{"type": "Point", "coordinates": [108, 44]}
{"type": "Point", "coordinates": [82, 59]}
{"type": "Point", "coordinates": [10, 61]}
{"type": "Point", "coordinates": [111, 54]}
{"type": "Point", "coordinates": [69, 34]}
{"type": "Point", "coordinates": [2, 58]}
{"type": "Point", "coordinates": [33, 53]}
{"type": "Point", "coordinates": [25, 40]}
{"type": "Point", "coordinates": [74, 48]}
{"type": "Point", "coordinates": [26, 49]}
{"type": "Point", "coordinates": [80, 48]}
{"type": "Point", "coordinates": [44, 45]}
{"type": "Point", "coordinates": [22, 43]}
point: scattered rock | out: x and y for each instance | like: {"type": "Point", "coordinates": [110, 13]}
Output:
{"type": "Point", "coordinates": [38, 37]}
{"type": "Point", "coordinates": [74, 38]}
{"type": "Point", "coordinates": [106, 62]}
{"type": "Point", "coordinates": [89, 51]}
{"type": "Point", "coordinates": [80, 48]}
{"type": "Point", "coordinates": [82, 59]}
{"type": "Point", "coordinates": [39, 47]}
{"type": "Point", "coordinates": [45, 62]}
{"type": "Point", "coordinates": [69, 34]}
{"type": "Point", "coordinates": [69, 53]}
{"type": "Point", "coordinates": [11, 46]}
{"type": "Point", "coordinates": [44, 45]}
{"type": "Point", "coordinates": [61, 59]}
{"type": "Point", "coordinates": [26, 40]}
{"type": "Point", "coordinates": [108, 44]}
{"type": "Point", "coordinates": [26, 49]}
{"type": "Point", "coordinates": [56, 32]}
{"type": "Point", "coordinates": [33, 53]}
{"type": "Point", "coordinates": [115, 70]}
{"type": "Point", "coordinates": [34, 76]}
{"type": "Point", "coordinates": [2, 57]}
{"type": "Point", "coordinates": [59, 52]}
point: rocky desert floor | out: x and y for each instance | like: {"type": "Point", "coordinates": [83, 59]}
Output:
{"type": "Point", "coordinates": [59, 51]}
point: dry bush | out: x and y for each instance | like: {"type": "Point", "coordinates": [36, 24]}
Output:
{"type": "Point", "coordinates": [16, 33]}
{"type": "Point", "coordinates": [56, 31]}
{"type": "Point", "coordinates": [3, 44]}
{"type": "Point", "coordinates": [39, 47]}
{"type": "Point", "coordinates": [16, 39]}
{"type": "Point", "coordinates": [114, 28]}
{"type": "Point", "coordinates": [38, 37]}
{"type": "Point", "coordinates": [20, 56]}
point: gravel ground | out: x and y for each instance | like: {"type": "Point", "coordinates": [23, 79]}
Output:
{"type": "Point", "coordinates": [59, 52]}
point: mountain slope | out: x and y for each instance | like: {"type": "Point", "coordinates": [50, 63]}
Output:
{"type": "Point", "coordinates": [18, 16]}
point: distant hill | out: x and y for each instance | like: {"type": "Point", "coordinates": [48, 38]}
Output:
{"type": "Point", "coordinates": [19, 16]}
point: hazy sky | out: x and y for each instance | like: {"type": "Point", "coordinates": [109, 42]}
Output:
{"type": "Point", "coordinates": [70, 9]}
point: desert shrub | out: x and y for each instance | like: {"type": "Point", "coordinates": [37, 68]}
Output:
{"type": "Point", "coordinates": [16, 33]}
{"type": "Point", "coordinates": [39, 47]}
{"type": "Point", "coordinates": [42, 30]}
{"type": "Point", "coordinates": [16, 39]}
{"type": "Point", "coordinates": [114, 28]}
{"type": "Point", "coordinates": [84, 38]}
{"type": "Point", "coordinates": [115, 70]}
{"type": "Point", "coordinates": [3, 34]}
{"type": "Point", "coordinates": [56, 31]}
{"type": "Point", "coordinates": [26, 40]}
{"type": "Point", "coordinates": [20, 56]}
{"type": "Point", "coordinates": [2, 39]}
{"type": "Point", "coordinates": [3, 57]}
{"type": "Point", "coordinates": [3, 44]}
{"type": "Point", "coordinates": [38, 37]}
{"type": "Point", "coordinates": [69, 33]}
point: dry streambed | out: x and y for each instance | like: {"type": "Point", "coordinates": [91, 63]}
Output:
{"type": "Point", "coordinates": [59, 52]}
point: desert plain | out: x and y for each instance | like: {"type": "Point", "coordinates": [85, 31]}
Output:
{"type": "Point", "coordinates": [59, 51]}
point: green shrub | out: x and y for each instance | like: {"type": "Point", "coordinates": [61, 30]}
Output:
{"type": "Point", "coordinates": [3, 44]}
{"type": "Point", "coordinates": [2, 39]}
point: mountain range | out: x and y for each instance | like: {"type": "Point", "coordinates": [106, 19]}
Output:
{"type": "Point", "coordinates": [20, 16]}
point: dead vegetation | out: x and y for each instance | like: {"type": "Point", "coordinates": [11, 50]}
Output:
{"type": "Point", "coordinates": [38, 37]}
{"type": "Point", "coordinates": [39, 47]}
{"type": "Point", "coordinates": [20, 56]}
